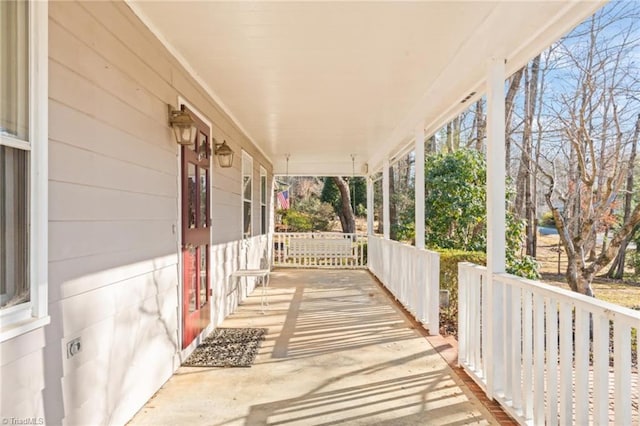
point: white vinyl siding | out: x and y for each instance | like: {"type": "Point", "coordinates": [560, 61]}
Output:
{"type": "Point", "coordinates": [113, 220]}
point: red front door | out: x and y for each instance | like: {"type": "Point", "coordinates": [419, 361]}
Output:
{"type": "Point", "coordinates": [196, 237]}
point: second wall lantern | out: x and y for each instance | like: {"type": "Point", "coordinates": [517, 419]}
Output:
{"type": "Point", "coordinates": [224, 154]}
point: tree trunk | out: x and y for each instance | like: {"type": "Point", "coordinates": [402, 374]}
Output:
{"type": "Point", "coordinates": [575, 275]}
{"type": "Point", "coordinates": [530, 242]}
{"type": "Point", "coordinates": [534, 172]}
{"type": "Point", "coordinates": [525, 207]}
{"type": "Point", "coordinates": [449, 137]}
{"type": "Point", "coordinates": [514, 85]}
{"type": "Point", "coordinates": [525, 156]}
{"type": "Point", "coordinates": [431, 146]}
{"type": "Point", "coordinates": [457, 122]}
{"type": "Point", "coordinates": [347, 219]}
{"type": "Point", "coordinates": [393, 211]}
{"type": "Point", "coordinates": [617, 269]}
{"type": "Point", "coordinates": [481, 125]}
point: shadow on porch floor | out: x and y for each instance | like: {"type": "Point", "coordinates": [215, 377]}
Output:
{"type": "Point", "coordinates": [338, 351]}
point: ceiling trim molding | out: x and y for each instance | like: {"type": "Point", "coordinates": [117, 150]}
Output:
{"type": "Point", "coordinates": [402, 136]}
{"type": "Point", "coordinates": [191, 71]}
{"type": "Point", "coordinates": [571, 15]}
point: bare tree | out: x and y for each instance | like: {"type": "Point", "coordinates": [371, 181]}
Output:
{"type": "Point", "coordinates": [588, 111]}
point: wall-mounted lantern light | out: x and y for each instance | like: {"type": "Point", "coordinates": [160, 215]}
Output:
{"type": "Point", "coordinates": [224, 154]}
{"type": "Point", "coordinates": [184, 127]}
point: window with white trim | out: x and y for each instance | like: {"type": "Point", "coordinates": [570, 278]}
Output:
{"type": "Point", "coordinates": [23, 166]}
{"type": "Point", "coordinates": [263, 200]}
{"type": "Point", "coordinates": [247, 194]}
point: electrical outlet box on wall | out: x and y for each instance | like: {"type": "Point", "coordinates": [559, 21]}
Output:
{"type": "Point", "coordinates": [74, 347]}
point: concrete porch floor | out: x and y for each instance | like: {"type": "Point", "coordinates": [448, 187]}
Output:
{"type": "Point", "coordinates": [338, 351]}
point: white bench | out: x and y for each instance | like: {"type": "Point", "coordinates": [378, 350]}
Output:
{"type": "Point", "coordinates": [316, 250]}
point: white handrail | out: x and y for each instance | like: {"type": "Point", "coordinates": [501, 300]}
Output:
{"type": "Point", "coordinates": [412, 275]}
{"type": "Point", "coordinates": [568, 357]}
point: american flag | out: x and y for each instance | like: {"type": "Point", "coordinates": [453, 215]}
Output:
{"type": "Point", "coordinates": [283, 199]}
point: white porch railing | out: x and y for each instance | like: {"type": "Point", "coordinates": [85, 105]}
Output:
{"type": "Point", "coordinates": [412, 275]}
{"type": "Point", "coordinates": [568, 358]}
{"type": "Point", "coordinates": [319, 250]}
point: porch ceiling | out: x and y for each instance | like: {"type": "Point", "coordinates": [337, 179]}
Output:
{"type": "Point", "coordinates": [323, 80]}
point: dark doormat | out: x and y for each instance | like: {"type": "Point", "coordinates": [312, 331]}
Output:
{"type": "Point", "coordinates": [227, 347]}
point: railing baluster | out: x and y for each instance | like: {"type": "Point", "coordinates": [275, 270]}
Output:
{"type": "Point", "coordinates": [538, 359]}
{"type": "Point", "coordinates": [581, 366]}
{"type": "Point", "coordinates": [509, 343]}
{"type": "Point", "coordinates": [474, 323]}
{"type": "Point", "coordinates": [516, 349]}
{"type": "Point", "coordinates": [601, 369]}
{"type": "Point", "coordinates": [622, 372]}
{"type": "Point", "coordinates": [462, 313]}
{"type": "Point", "coordinates": [566, 364]}
{"type": "Point", "coordinates": [483, 324]}
{"type": "Point", "coordinates": [527, 354]}
{"type": "Point", "coordinates": [477, 326]}
{"type": "Point", "coordinates": [552, 362]}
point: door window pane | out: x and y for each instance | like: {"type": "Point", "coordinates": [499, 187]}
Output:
{"type": "Point", "coordinates": [247, 193]}
{"type": "Point", "coordinates": [263, 200]}
{"type": "Point", "coordinates": [192, 192]}
{"type": "Point", "coordinates": [14, 219]}
{"type": "Point", "coordinates": [204, 205]}
{"type": "Point", "coordinates": [247, 219]}
{"type": "Point", "coordinates": [190, 276]}
{"type": "Point", "coordinates": [14, 68]}
{"type": "Point", "coordinates": [203, 275]}
{"type": "Point", "coordinates": [247, 187]}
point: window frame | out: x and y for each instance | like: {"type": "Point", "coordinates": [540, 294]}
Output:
{"type": "Point", "coordinates": [264, 218]}
{"type": "Point", "coordinates": [249, 158]}
{"type": "Point", "coordinates": [19, 319]}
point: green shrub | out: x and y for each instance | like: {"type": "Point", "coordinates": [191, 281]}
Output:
{"type": "Point", "coordinates": [547, 220]}
{"type": "Point", "coordinates": [296, 221]}
{"type": "Point", "coordinates": [449, 259]}
{"type": "Point", "coordinates": [320, 214]}
{"type": "Point", "coordinates": [455, 207]}
{"type": "Point", "coordinates": [518, 263]}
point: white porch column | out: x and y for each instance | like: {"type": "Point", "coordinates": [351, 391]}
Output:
{"type": "Point", "coordinates": [370, 207]}
{"type": "Point", "coordinates": [385, 200]}
{"type": "Point", "coordinates": [495, 222]}
{"type": "Point", "coordinates": [419, 198]}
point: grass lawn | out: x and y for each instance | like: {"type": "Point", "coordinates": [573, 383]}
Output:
{"type": "Point", "coordinates": [619, 292]}
{"type": "Point", "coordinates": [624, 293]}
